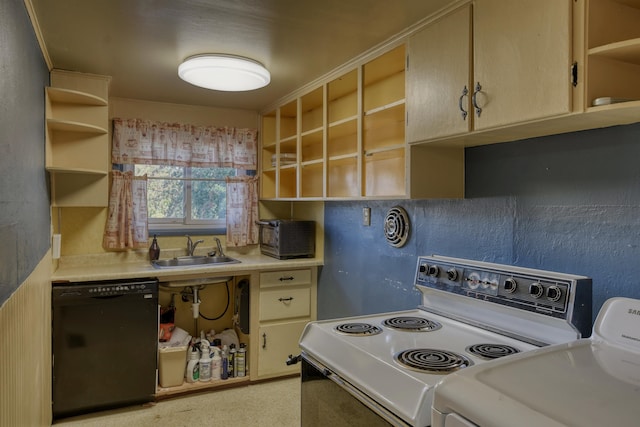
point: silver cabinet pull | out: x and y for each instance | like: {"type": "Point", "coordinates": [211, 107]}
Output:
{"type": "Point", "coordinates": [288, 299]}
{"type": "Point", "coordinates": [474, 99]}
{"type": "Point", "coordinates": [464, 112]}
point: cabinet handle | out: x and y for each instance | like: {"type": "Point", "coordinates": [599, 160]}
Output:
{"type": "Point", "coordinates": [285, 278]}
{"type": "Point", "coordinates": [264, 340]}
{"type": "Point", "coordinates": [464, 112]}
{"type": "Point", "coordinates": [285, 299]}
{"type": "Point", "coordinates": [574, 74]}
{"type": "Point", "coordinates": [474, 99]}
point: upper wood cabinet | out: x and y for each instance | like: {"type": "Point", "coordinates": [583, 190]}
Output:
{"type": "Point", "coordinates": [77, 143]}
{"type": "Point", "coordinates": [346, 139]}
{"type": "Point", "coordinates": [521, 60]}
{"type": "Point", "coordinates": [439, 78]}
{"type": "Point", "coordinates": [613, 60]}
{"type": "Point", "coordinates": [493, 64]}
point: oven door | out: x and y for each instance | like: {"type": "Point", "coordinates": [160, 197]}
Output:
{"type": "Point", "coordinates": [328, 400]}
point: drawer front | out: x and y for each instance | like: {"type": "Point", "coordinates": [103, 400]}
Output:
{"type": "Point", "coordinates": [285, 278]}
{"type": "Point", "coordinates": [284, 303]}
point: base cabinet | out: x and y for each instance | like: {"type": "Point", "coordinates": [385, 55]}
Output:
{"type": "Point", "coordinates": [276, 343]}
{"type": "Point", "coordinates": [285, 303]}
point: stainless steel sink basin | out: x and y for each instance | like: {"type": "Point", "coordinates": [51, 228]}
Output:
{"type": "Point", "coordinates": [193, 261]}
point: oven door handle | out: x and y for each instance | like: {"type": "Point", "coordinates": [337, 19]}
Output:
{"type": "Point", "coordinates": [366, 400]}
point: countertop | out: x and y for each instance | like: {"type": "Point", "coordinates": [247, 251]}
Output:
{"type": "Point", "coordinates": [92, 270]}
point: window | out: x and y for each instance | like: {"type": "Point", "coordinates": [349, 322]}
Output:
{"type": "Point", "coordinates": [186, 198]}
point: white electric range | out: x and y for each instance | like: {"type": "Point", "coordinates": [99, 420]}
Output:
{"type": "Point", "coordinates": [591, 382]}
{"type": "Point", "coordinates": [384, 367]}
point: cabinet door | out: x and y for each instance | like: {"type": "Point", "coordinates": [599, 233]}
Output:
{"type": "Point", "coordinates": [276, 343]}
{"type": "Point", "coordinates": [522, 60]}
{"type": "Point", "coordinates": [438, 72]}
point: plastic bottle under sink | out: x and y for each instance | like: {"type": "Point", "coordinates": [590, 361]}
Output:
{"type": "Point", "coordinates": [192, 373]}
{"type": "Point", "coordinates": [205, 361]}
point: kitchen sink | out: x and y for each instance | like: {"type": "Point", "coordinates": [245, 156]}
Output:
{"type": "Point", "coordinates": [193, 261]}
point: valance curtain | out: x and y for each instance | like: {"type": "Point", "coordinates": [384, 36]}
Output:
{"type": "Point", "coordinates": [126, 226]}
{"type": "Point", "coordinates": [242, 211]}
{"type": "Point", "coordinates": [138, 141]}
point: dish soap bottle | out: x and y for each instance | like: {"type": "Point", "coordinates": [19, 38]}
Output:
{"type": "Point", "coordinates": [154, 249]}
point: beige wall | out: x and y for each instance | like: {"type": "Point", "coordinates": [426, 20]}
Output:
{"type": "Point", "coordinates": [25, 351]}
{"type": "Point", "coordinates": [82, 228]}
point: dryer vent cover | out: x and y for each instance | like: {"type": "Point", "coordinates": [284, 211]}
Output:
{"type": "Point", "coordinates": [396, 227]}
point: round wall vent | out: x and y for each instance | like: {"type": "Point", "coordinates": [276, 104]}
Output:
{"type": "Point", "coordinates": [396, 227]}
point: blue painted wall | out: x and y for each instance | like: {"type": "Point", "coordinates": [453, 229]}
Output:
{"type": "Point", "coordinates": [568, 203]}
{"type": "Point", "coordinates": [24, 196]}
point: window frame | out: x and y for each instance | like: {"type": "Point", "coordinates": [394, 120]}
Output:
{"type": "Point", "coordinates": [187, 225]}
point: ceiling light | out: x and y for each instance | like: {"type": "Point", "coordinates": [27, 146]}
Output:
{"type": "Point", "coordinates": [224, 72]}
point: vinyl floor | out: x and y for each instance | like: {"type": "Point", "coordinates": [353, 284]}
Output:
{"type": "Point", "coordinates": [270, 404]}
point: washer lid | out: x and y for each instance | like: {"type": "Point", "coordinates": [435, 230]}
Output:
{"type": "Point", "coordinates": [618, 323]}
{"type": "Point", "coordinates": [587, 382]}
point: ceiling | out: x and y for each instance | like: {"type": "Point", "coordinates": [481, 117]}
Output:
{"type": "Point", "coordinates": [140, 43]}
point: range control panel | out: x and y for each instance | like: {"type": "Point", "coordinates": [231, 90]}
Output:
{"type": "Point", "coordinates": [533, 290]}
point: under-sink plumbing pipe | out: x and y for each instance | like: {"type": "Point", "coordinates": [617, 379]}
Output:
{"type": "Point", "coordinates": [195, 307]}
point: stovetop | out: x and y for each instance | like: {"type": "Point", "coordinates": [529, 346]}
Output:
{"type": "Point", "coordinates": [471, 313]}
{"type": "Point", "coordinates": [370, 362]}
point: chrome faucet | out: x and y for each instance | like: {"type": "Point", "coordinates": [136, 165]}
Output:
{"type": "Point", "coordinates": [191, 245]}
{"type": "Point", "coordinates": [220, 252]}
{"type": "Point", "coordinates": [217, 252]}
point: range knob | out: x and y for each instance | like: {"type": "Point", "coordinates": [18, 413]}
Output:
{"type": "Point", "coordinates": [554, 293]}
{"type": "Point", "coordinates": [510, 285]}
{"type": "Point", "coordinates": [423, 268]}
{"type": "Point", "coordinates": [452, 274]}
{"type": "Point", "coordinates": [433, 270]}
{"type": "Point", "coordinates": [536, 290]}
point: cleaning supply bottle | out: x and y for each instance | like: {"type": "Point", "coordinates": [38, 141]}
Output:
{"type": "Point", "coordinates": [240, 361]}
{"type": "Point", "coordinates": [232, 361]}
{"type": "Point", "coordinates": [224, 365]}
{"type": "Point", "coordinates": [154, 249]}
{"type": "Point", "coordinates": [216, 362]}
{"type": "Point", "coordinates": [192, 373]}
{"type": "Point", "coordinates": [205, 361]}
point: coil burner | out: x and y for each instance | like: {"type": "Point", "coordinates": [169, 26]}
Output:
{"type": "Point", "coordinates": [492, 351]}
{"type": "Point", "coordinates": [432, 360]}
{"type": "Point", "coordinates": [358, 329]}
{"type": "Point", "coordinates": [413, 324]}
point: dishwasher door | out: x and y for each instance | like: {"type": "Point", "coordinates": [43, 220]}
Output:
{"type": "Point", "coordinates": [105, 338]}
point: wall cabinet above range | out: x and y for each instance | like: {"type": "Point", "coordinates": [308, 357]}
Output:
{"type": "Point", "coordinates": [77, 139]}
{"type": "Point", "coordinates": [496, 63]}
{"type": "Point", "coordinates": [612, 48]}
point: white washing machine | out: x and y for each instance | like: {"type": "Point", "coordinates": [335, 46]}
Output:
{"type": "Point", "coordinates": [583, 383]}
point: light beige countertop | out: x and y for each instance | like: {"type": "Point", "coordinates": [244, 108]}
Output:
{"type": "Point", "coordinates": [91, 268]}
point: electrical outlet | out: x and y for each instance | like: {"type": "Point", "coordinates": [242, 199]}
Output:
{"type": "Point", "coordinates": [366, 216]}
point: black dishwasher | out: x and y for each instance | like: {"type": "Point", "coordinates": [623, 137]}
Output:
{"type": "Point", "coordinates": [105, 338]}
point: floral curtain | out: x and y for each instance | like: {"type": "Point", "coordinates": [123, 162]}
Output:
{"type": "Point", "coordinates": [138, 141]}
{"type": "Point", "coordinates": [126, 226]}
{"type": "Point", "coordinates": [242, 211]}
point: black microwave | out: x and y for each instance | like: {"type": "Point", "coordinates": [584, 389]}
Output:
{"type": "Point", "coordinates": [287, 238]}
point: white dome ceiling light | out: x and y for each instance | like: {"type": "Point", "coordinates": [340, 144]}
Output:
{"type": "Point", "coordinates": [224, 72]}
